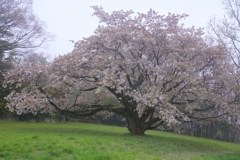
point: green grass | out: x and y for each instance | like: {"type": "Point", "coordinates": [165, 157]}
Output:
{"type": "Point", "coordinates": [67, 141]}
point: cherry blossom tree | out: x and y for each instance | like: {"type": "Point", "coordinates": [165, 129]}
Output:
{"type": "Point", "coordinates": [21, 32]}
{"type": "Point", "coordinates": [148, 68]}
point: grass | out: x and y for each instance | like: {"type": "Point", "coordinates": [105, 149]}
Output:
{"type": "Point", "coordinates": [70, 141]}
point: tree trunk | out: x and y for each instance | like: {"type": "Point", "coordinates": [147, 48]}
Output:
{"type": "Point", "coordinates": [135, 126]}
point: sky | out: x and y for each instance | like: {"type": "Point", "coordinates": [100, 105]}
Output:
{"type": "Point", "coordinates": [72, 19]}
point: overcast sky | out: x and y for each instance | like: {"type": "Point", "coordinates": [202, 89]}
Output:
{"type": "Point", "coordinates": [72, 19]}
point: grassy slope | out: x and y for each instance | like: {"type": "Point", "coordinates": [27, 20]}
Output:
{"type": "Point", "coordinates": [21, 140]}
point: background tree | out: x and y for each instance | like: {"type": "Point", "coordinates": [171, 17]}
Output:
{"type": "Point", "coordinates": [226, 32]}
{"type": "Point", "coordinates": [154, 68]}
{"type": "Point", "coordinates": [20, 32]}
{"type": "Point", "coordinates": [19, 27]}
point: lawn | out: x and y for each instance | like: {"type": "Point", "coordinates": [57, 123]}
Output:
{"type": "Point", "coordinates": [80, 141]}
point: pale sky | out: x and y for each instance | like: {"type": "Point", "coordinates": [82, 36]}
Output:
{"type": "Point", "coordinates": [73, 20]}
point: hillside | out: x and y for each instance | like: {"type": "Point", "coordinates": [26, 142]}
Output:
{"type": "Point", "coordinates": [23, 140]}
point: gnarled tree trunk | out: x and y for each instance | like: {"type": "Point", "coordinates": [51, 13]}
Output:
{"type": "Point", "coordinates": [135, 126]}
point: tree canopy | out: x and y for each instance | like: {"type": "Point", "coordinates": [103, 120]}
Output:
{"type": "Point", "coordinates": [148, 68]}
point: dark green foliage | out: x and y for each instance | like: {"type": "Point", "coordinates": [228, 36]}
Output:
{"type": "Point", "coordinates": [115, 120]}
{"type": "Point", "coordinates": [4, 65]}
{"type": "Point", "coordinates": [42, 117]}
{"type": "Point", "coordinates": [224, 126]}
